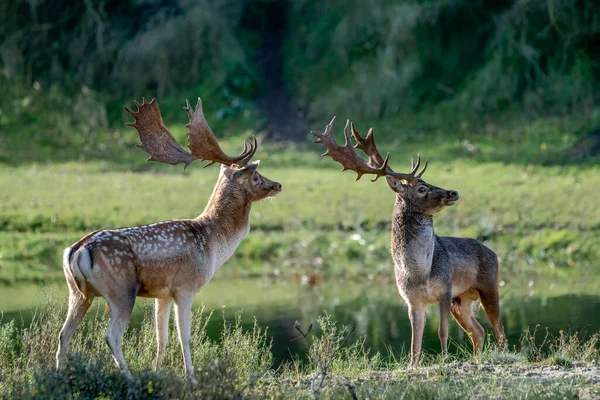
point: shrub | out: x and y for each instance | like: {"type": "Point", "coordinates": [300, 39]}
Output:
{"type": "Point", "coordinates": [224, 368]}
{"type": "Point", "coordinates": [383, 57]}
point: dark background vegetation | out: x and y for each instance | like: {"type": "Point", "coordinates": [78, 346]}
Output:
{"type": "Point", "coordinates": [371, 59]}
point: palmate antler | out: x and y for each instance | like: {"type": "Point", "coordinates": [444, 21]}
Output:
{"type": "Point", "coordinates": [347, 156]}
{"type": "Point", "coordinates": [162, 146]}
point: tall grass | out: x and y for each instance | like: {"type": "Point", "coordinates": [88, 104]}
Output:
{"type": "Point", "coordinates": [239, 364]}
{"type": "Point", "coordinates": [225, 367]}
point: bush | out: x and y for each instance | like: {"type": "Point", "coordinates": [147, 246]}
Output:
{"type": "Point", "coordinates": [224, 368]}
{"type": "Point", "coordinates": [131, 47]}
{"type": "Point", "coordinates": [239, 364]}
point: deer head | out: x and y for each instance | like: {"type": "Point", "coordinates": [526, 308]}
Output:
{"type": "Point", "coordinates": [413, 191]}
{"type": "Point", "coordinates": [238, 174]}
{"type": "Point", "coordinates": [248, 181]}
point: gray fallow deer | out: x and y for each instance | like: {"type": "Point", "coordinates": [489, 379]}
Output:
{"type": "Point", "coordinates": [453, 272]}
{"type": "Point", "coordinates": [171, 260]}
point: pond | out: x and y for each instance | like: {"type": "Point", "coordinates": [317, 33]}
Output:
{"type": "Point", "coordinates": [372, 307]}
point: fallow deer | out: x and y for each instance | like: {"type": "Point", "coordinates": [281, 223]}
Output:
{"type": "Point", "coordinates": [171, 260]}
{"type": "Point", "coordinates": [453, 272]}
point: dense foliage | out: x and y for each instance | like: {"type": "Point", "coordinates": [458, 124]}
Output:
{"type": "Point", "coordinates": [372, 58]}
{"type": "Point", "coordinates": [130, 47]}
{"type": "Point", "coordinates": [383, 56]}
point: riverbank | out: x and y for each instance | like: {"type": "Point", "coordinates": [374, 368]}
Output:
{"type": "Point", "coordinates": [239, 364]}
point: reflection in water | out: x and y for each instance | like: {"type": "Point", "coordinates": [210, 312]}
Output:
{"type": "Point", "coordinates": [379, 314]}
{"type": "Point", "coordinates": [375, 310]}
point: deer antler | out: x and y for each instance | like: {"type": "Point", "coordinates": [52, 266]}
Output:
{"type": "Point", "coordinates": [367, 145]}
{"type": "Point", "coordinates": [157, 141]}
{"type": "Point", "coordinates": [203, 143]}
{"type": "Point", "coordinates": [346, 155]}
{"type": "Point", "coordinates": [155, 137]}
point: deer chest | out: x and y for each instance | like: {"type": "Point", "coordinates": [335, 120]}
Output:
{"type": "Point", "coordinates": [415, 257]}
{"type": "Point", "coordinates": [419, 292]}
{"type": "Point", "coordinates": [224, 247]}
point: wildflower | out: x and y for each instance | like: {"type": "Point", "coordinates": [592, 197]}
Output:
{"type": "Point", "coordinates": [560, 332]}
{"type": "Point", "coordinates": [531, 338]}
{"type": "Point", "coordinates": [150, 388]}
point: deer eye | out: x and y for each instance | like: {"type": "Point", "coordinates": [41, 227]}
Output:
{"type": "Point", "coordinates": [255, 178]}
{"type": "Point", "coordinates": [422, 190]}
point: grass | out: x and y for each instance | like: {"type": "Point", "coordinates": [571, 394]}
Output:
{"type": "Point", "coordinates": [323, 222]}
{"type": "Point", "coordinates": [369, 304]}
{"type": "Point", "coordinates": [239, 364]}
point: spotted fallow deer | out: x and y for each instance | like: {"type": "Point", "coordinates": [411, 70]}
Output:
{"type": "Point", "coordinates": [453, 272]}
{"type": "Point", "coordinates": [171, 260]}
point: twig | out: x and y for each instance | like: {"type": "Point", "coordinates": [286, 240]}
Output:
{"type": "Point", "coordinates": [304, 335]}
{"type": "Point", "coordinates": [350, 387]}
{"type": "Point", "coordinates": [324, 369]}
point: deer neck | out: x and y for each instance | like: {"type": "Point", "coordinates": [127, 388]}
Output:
{"type": "Point", "coordinates": [413, 241]}
{"type": "Point", "coordinates": [227, 212]}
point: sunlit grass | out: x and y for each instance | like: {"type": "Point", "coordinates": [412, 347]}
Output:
{"type": "Point", "coordinates": [323, 222]}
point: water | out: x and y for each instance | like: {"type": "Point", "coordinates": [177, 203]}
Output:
{"type": "Point", "coordinates": [378, 313]}
{"type": "Point", "coordinates": [373, 309]}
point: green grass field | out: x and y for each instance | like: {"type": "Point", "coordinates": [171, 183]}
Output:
{"type": "Point", "coordinates": [541, 213]}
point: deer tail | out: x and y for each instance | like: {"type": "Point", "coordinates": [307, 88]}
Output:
{"type": "Point", "coordinates": [76, 259]}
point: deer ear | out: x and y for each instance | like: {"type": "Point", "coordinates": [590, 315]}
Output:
{"type": "Point", "coordinates": [396, 184]}
{"type": "Point", "coordinates": [250, 167]}
{"type": "Point", "coordinates": [246, 171]}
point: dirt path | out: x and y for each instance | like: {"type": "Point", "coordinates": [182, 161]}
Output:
{"type": "Point", "coordinates": [482, 380]}
{"type": "Point", "coordinates": [284, 118]}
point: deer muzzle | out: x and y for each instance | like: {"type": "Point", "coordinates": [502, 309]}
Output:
{"type": "Point", "coordinates": [452, 197]}
{"type": "Point", "coordinates": [275, 188]}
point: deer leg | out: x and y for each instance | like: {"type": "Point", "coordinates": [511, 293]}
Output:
{"type": "Point", "coordinates": [417, 323]}
{"type": "Point", "coordinates": [491, 305]}
{"type": "Point", "coordinates": [445, 305]}
{"type": "Point", "coordinates": [78, 307]}
{"type": "Point", "coordinates": [183, 309]}
{"type": "Point", "coordinates": [462, 311]}
{"type": "Point", "coordinates": [478, 336]}
{"type": "Point", "coordinates": [162, 312]}
{"type": "Point", "coordinates": [119, 318]}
